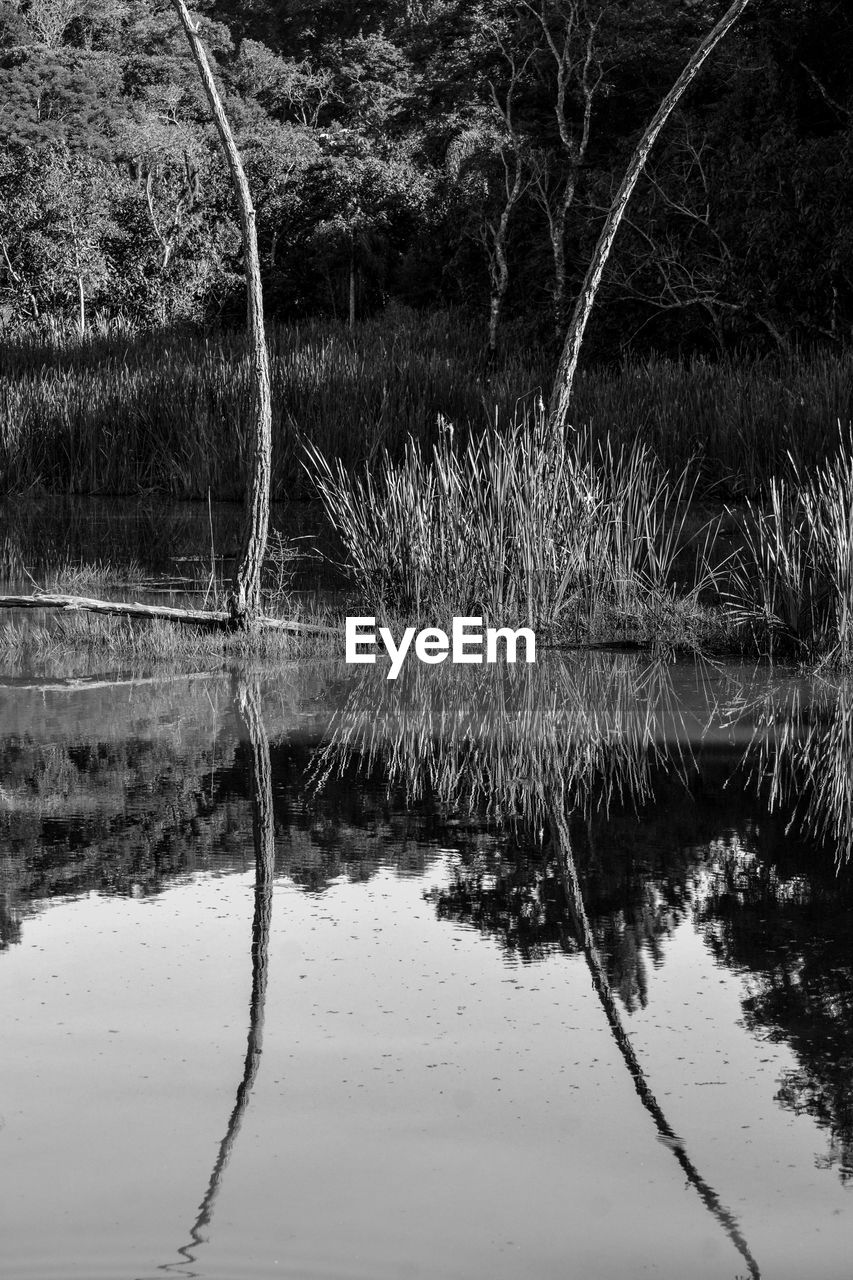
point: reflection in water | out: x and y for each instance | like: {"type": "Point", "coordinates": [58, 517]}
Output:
{"type": "Point", "coordinates": [602, 729]}
{"type": "Point", "coordinates": [533, 751]}
{"type": "Point", "coordinates": [787, 929]}
{"type": "Point", "coordinates": [589, 805]}
{"type": "Point", "coordinates": [247, 700]}
{"type": "Point", "coordinates": [601, 983]}
{"type": "Point", "coordinates": [801, 757]}
{"type": "Point", "coordinates": [492, 739]}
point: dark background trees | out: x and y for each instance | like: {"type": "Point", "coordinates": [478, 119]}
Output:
{"type": "Point", "coordinates": [383, 142]}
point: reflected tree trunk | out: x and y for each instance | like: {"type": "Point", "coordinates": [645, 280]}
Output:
{"type": "Point", "coordinates": [248, 706]}
{"type": "Point", "coordinates": [583, 932]}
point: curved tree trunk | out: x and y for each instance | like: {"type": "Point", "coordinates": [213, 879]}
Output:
{"type": "Point", "coordinates": [562, 392]}
{"type": "Point", "coordinates": [249, 712]}
{"type": "Point", "coordinates": [246, 587]}
{"type": "Point", "coordinates": [600, 981]}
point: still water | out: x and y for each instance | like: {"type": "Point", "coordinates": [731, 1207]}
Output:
{"type": "Point", "coordinates": [481, 973]}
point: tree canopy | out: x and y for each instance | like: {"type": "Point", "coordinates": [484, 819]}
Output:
{"type": "Point", "coordinates": [383, 142]}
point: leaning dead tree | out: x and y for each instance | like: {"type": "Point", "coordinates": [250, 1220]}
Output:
{"type": "Point", "coordinates": [246, 587]}
{"type": "Point", "coordinates": [562, 392]}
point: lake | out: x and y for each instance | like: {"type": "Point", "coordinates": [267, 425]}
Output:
{"type": "Point", "coordinates": [480, 973]}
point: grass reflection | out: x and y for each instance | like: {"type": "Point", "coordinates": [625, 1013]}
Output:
{"type": "Point", "coordinates": [597, 724]}
{"type": "Point", "coordinates": [800, 759]}
{"type": "Point", "coordinates": [532, 749]}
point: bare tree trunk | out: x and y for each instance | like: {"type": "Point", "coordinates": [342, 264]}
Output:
{"type": "Point", "coordinates": [352, 290]}
{"type": "Point", "coordinates": [81, 306]}
{"type": "Point", "coordinates": [17, 279]}
{"type": "Point", "coordinates": [495, 234]}
{"type": "Point", "coordinates": [562, 392]}
{"type": "Point", "coordinates": [498, 266]}
{"type": "Point", "coordinates": [573, 49]}
{"type": "Point", "coordinates": [557, 229]}
{"type": "Point", "coordinates": [246, 587]}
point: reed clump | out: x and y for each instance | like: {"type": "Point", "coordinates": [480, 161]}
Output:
{"type": "Point", "coordinates": [523, 525]}
{"type": "Point", "coordinates": [587, 540]}
{"type": "Point", "coordinates": [100, 575]}
{"type": "Point", "coordinates": [793, 581]}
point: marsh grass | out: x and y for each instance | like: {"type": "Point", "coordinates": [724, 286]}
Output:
{"type": "Point", "coordinates": [793, 582]}
{"type": "Point", "coordinates": [101, 575]}
{"type": "Point", "coordinates": [167, 412]}
{"type": "Point", "coordinates": [83, 641]}
{"type": "Point", "coordinates": [522, 525]}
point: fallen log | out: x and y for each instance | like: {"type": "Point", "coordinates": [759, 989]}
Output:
{"type": "Point", "coordinates": [74, 684]}
{"type": "Point", "coordinates": [212, 620]}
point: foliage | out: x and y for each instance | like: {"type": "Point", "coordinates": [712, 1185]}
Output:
{"type": "Point", "coordinates": [352, 119]}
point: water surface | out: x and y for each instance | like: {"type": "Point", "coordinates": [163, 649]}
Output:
{"type": "Point", "coordinates": [476, 973]}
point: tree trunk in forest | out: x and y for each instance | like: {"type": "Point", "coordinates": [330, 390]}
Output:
{"type": "Point", "coordinates": [495, 238]}
{"type": "Point", "coordinates": [557, 229]}
{"type": "Point", "coordinates": [500, 282]}
{"type": "Point", "coordinates": [494, 234]}
{"type": "Point", "coordinates": [572, 44]}
{"type": "Point", "coordinates": [562, 392]}
{"type": "Point", "coordinates": [245, 595]}
{"type": "Point", "coordinates": [81, 307]}
{"type": "Point", "coordinates": [18, 280]}
{"type": "Point", "coordinates": [352, 291]}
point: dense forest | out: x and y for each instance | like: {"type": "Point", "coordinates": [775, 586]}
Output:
{"type": "Point", "coordinates": [436, 154]}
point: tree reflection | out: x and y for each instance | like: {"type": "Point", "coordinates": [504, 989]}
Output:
{"type": "Point", "coordinates": [800, 758]}
{"type": "Point", "coordinates": [532, 750]}
{"type": "Point", "coordinates": [789, 933]}
{"type": "Point", "coordinates": [247, 701]}
{"type": "Point", "coordinates": [591, 804]}
{"type": "Point", "coordinates": [482, 745]}
{"type": "Point", "coordinates": [583, 933]}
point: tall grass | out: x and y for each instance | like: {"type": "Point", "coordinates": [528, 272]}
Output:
{"type": "Point", "coordinates": [78, 644]}
{"type": "Point", "coordinates": [169, 412]}
{"type": "Point", "coordinates": [523, 525]}
{"type": "Point", "coordinates": [166, 412]}
{"type": "Point", "coordinates": [794, 580]}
